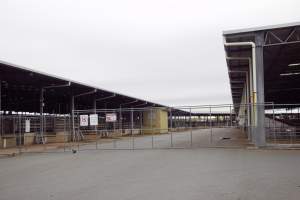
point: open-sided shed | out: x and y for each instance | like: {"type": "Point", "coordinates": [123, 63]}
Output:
{"type": "Point", "coordinates": [264, 68]}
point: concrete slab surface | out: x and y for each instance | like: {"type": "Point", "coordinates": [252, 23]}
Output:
{"type": "Point", "coordinates": [201, 173]}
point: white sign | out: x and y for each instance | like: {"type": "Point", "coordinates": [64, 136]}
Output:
{"type": "Point", "coordinates": [93, 119]}
{"type": "Point", "coordinates": [111, 117]}
{"type": "Point", "coordinates": [27, 125]}
{"type": "Point", "coordinates": [84, 120]}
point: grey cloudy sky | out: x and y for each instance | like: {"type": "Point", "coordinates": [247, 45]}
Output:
{"type": "Point", "coordinates": [167, 51]}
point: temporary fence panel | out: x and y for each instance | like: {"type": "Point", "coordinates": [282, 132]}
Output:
{"type": "Point", "coordinates": [148, 128]}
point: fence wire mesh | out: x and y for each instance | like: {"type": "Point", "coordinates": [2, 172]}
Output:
{"type": "Point", "coordinates": [147, 128]}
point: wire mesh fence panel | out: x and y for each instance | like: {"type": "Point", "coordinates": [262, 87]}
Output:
{"type": "Point", "coordinates": [282, 122]}
{"type": "Point", "coordinates": [153, 127]}
{"type": "Point", "coordinates": [149, 128]}
{"type": "Point", "coordinates": [23, 133]}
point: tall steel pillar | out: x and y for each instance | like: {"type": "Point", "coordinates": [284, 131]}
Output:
{"type": "Point", "coordinates": [41, 138]}
{"type": "Point", "coordinates": [94, 105]}
{"type": "Point", "coordinates": [95, 108]}
{"type": "Point", "coordinates": [131, 120]}
{"type": "Point", "coordinates": [120, 122]}
{"type": "Point", "coordinates": [260, 135]}
{"type": "Point", "coordinates": [72, 108]}
{"type": "Point", "coordinates": [171, 120]}
{"type": "Point", "coordinates": [0, 96]}
{"type": "Point", "coordinates": [1, 121]}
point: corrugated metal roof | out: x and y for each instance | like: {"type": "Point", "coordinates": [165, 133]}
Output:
{"type": "Point", "coordinates": [71, 81]}
{"type": "Point", "coordinates": [255, 29]}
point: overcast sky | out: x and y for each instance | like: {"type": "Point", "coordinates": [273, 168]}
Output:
{"type": "Point", "coordinates": [166, 51]}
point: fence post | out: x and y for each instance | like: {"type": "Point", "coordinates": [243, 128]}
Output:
{"type": "Point", "coordinates": [191, 128]}
{"type": "Point", "coordinates": [120, 123]}
{"type": "Point", "coordinates": [64, 135]}
{"type": "Point", "coordinates": [274, 125]}
{"type": "Point", "coordinates": [73, 126]}
{"type": "Point", "coordinates": [230, 116]}
{"type": "Point", "coordinates": [210, 123]}
{"type": "Point", "coordinates": [1, 114]}
{"type": "Point", "coordinates": [171, 120]}
{"type": "Point", "coordinates": [77, 134]}
{"type": "Point", "coordinates": [131, 126]}
{"type": "Point", "coordinates": [19, 135]}
{"type": "Point", "coordinates": [141, 122]}
{"type": "Point", "coordinates": [171, 139]}
{"type": "Point", "coordinates": [97, 136]}
{"type": "Point", "coordinates": [249, 122]}
{"type": "Point", "coordinates": [1, 122]}
{"type": "Point", "coordinates": [151, 125]}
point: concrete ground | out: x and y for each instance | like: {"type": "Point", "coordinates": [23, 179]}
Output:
{"type": "Point", "coordinates": [200, 173]}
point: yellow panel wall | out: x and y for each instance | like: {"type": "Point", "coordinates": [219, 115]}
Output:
{"type": "Point", "coordinates": [159, 122]}
{"type": "Point", "coordinates": [29, 138]}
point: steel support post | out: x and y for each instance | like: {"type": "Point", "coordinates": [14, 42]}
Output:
{"type": "Point", "coordinates": [19, 134]}
{"type": "Point", "coordinates": [1, 121]}
{"type": "Point", "coordinates": [131, 120]}
{"type": "Point", "coordinates": [41, 115]}
{"type": "Point", "coordinates": [248, 102]}
{"type": "Point", "coordinates": [260, 135]}
{"type": "Point", "coordinates": [171, 120]}
{"type": "Point", "coordinates": [95, 110]}
{"type": "Point", "coordinates": [210, 124]}
{"type": "Point", "coordinates": [274, 125]}
{"type": "Point", "coordinates": [230, 117]}
{"type": "Point", "coordinates": [131, 126]}
{"type": "Point", "coordinates": [151, 125]}
{"type": "Point", "coordinates": [64, 134]}
{"type": "Point", "coordinates": [191, 128]}
{"type": "Point", "coordinates": [141, 123]}
{"type": "Point", "coordinates": [0, 96]}
{"type": "Point", "coordinates": [72, 108]}
{"type": "Point", "coordinates": [171, 133]}
{"type": "Point", "coordinates": [120, 123]}
{"type": "Point", "coordinates": [171, 139]}
{"type": "Point", "coordinates": [105, 124]}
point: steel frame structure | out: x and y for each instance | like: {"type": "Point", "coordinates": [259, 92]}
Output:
{"type": "Point", "coordinates": [276, 47]}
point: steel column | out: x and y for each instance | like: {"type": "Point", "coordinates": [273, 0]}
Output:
{"type": "Point", "coordinates": [41, 116]}
{"type": "Point", "coordinates": [131, 126]}
{"type": "Point", "coordinates": [171, 120]}
{"type": "Point", "coordinates": [260, 135]}
{"type": "Point", "coordinates": [151, 125]}
{"type": "Point", "coordinates": [72, 108]}
{"type": "Point", "coordinates": [120, 122]}
{"type": "Point", "coordinates": [1, 124]}
{"type": "Point", "coordinates": [95, 112]}
{"type": "Point", "coordinates": [210, 124]}
{"type": "Point", "coordinates": [191, 128]}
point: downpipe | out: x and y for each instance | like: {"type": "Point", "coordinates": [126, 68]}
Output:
{"type": "Point", "coordinates": [254, 69]}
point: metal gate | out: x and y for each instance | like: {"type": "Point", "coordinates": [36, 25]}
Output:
{"type": "Point", "coordinates": [147, 128]}
{"type": "Point", "coordinates": [158, 127]}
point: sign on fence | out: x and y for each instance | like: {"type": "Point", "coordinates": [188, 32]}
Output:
{"type": "Point", "coordinates": [111, 117]}
{"type": "Point", "coordinates": [94, 119]}
{"type": "Point", "coordinates": [27, 125]}
{"type": "Point", "coordinates": [84, 120]}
